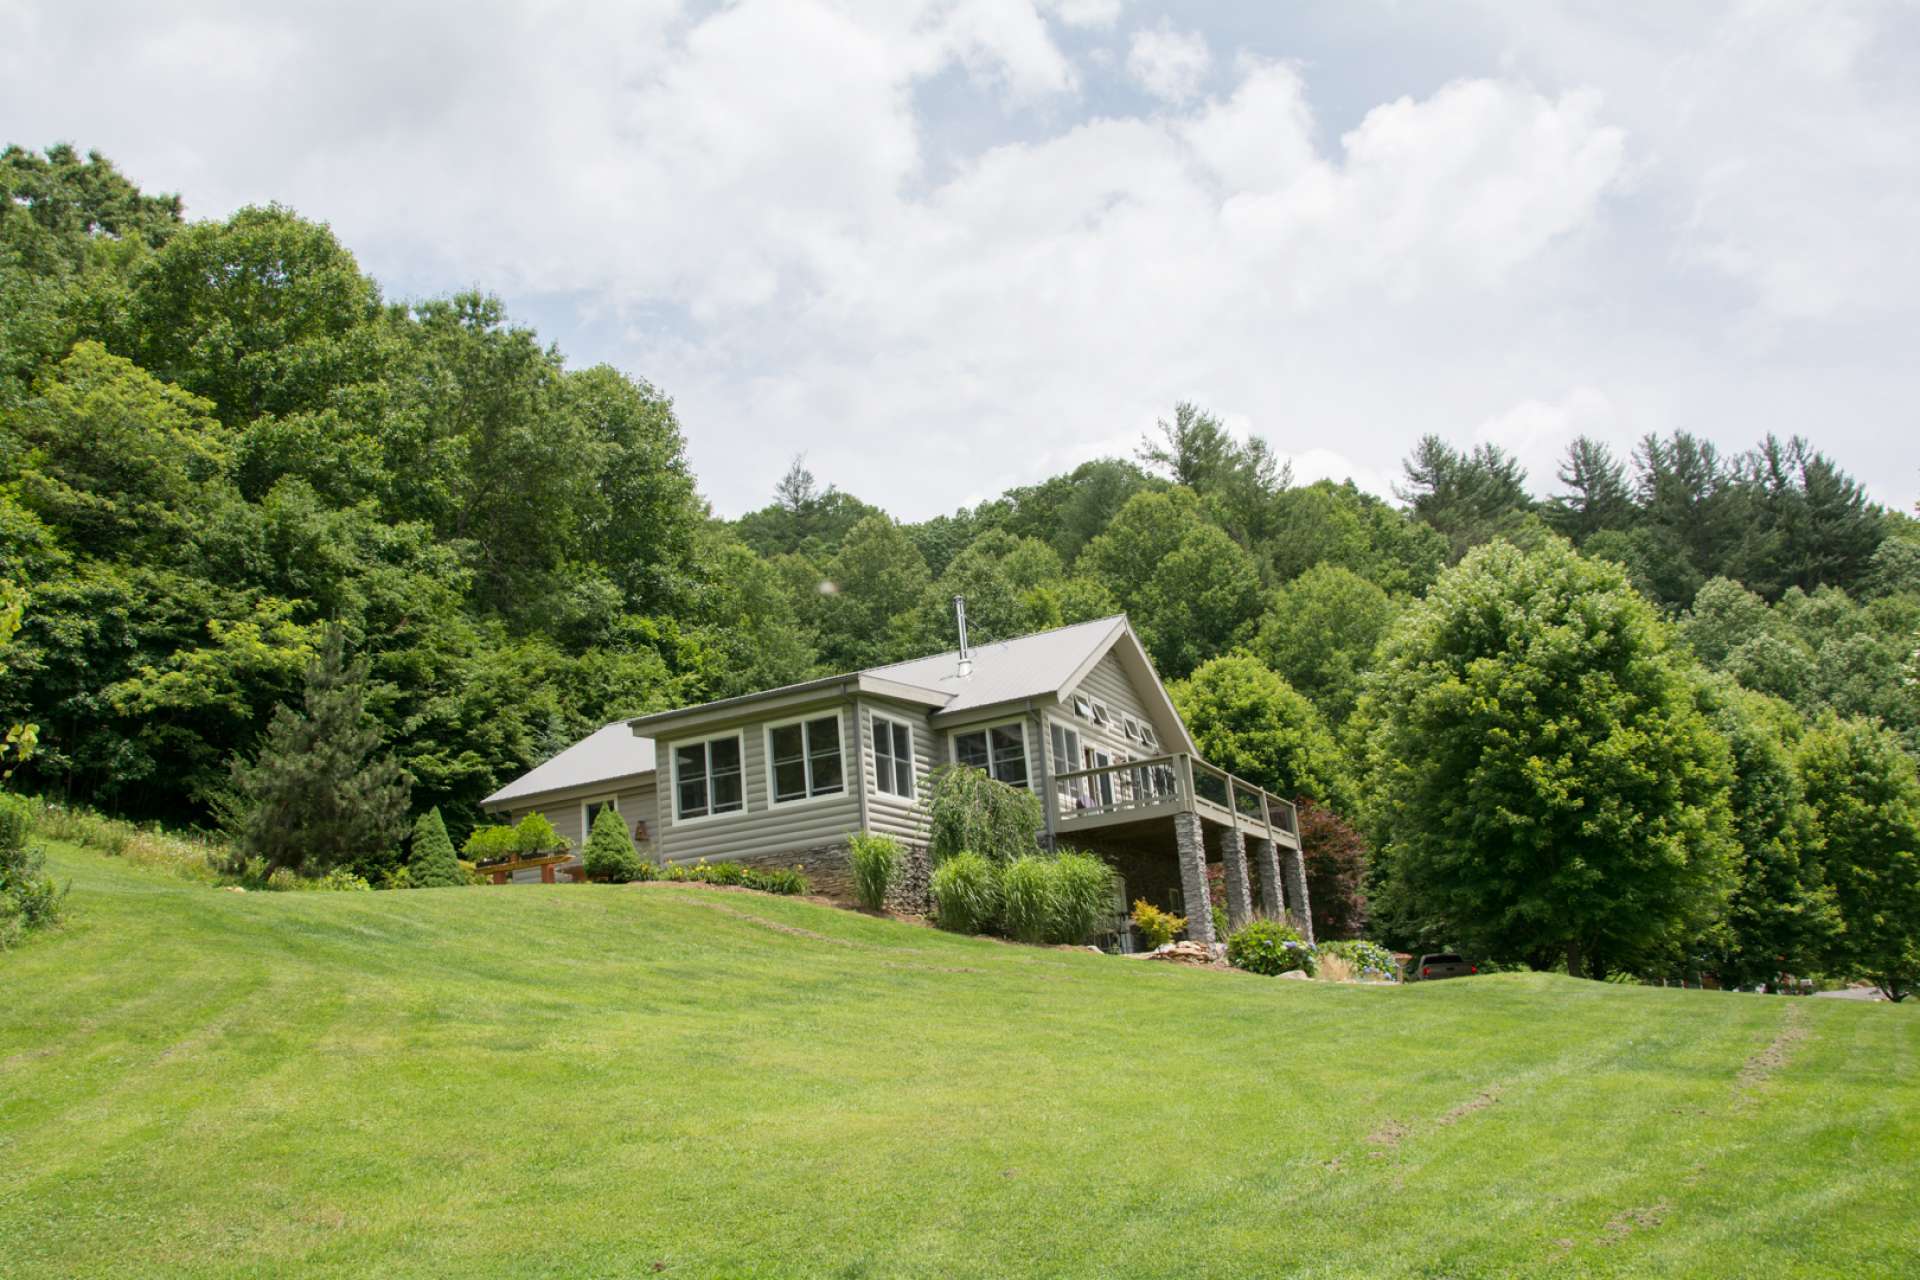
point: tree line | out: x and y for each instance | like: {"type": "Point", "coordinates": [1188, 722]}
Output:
{"type": "Point", "coordinates": [222, 444]}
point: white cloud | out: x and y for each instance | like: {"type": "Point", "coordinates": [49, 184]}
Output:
{"type": "Point", "coordinates": [1169, 64]}
{"type": "Point", "coordinates": [1700, 219]}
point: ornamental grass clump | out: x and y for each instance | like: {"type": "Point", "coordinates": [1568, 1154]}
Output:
{"type": "Point", "coordinates": [1269, 947]}
{"type": "Point", "coordinates": [1082, 897]}
{"type": "Point", "coordinates": [966, 893]}
{"type": "Point", "coordinates": [1370, 961]}
{"type": "Point", "coordinates": [876, 864]}
{"type": "Point", "coordinates": [1029, 893]}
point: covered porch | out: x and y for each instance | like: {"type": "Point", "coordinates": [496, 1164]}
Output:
{"type": "Point", "coordinates": [1161, 819]}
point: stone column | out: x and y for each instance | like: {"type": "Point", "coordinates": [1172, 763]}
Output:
{"type": "Point", "coordinates": [1233, 854]}
{"type": "Point", "coordinates": [1266, 861]}
{"type": "Point", "coordinates": [1192, 846]}
{"type": "Point", "coordinates": [1297, 905]}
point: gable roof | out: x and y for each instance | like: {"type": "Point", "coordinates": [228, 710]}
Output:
{"type": "Point", "coordinates": [1008, 670]}
{"type": "Point", "coordinates": [1044, 665]}
{"type": "Point", "coordinates": [611, 751]}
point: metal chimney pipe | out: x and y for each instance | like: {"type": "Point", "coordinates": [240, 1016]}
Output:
{"type": "Point", "coordinates": [960, 617]}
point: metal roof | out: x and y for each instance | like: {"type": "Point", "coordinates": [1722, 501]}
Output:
{"type": "Point", "coordinates": [1007, 670]}
{"type": "Point", "coordinates": [1034, 666]}
{"type": "Point", "coordinates": [612, 751]}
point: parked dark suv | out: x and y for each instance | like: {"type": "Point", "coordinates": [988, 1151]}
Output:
{"type": "Point", "coordinates": [1442, 964]}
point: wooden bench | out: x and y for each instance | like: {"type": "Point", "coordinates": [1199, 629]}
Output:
{"type": "Point", "coordinates": [502, 872]}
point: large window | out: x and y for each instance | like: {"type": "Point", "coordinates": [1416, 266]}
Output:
{"type": "Point", "coordinates": [804, 758]}
{"type": "Point", "coordinates": [706, 778]}
{"type": "Point", "coordinates": [1066, 759]}
{"type": "Point", "coordinates": [1000, 750]}
{"type": "Point", "coordinates": [893, 757]}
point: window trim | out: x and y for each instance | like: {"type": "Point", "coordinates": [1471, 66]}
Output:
{"type": "Point", "coordinates": [913, 768]}
{"type": "Point", "coordinates": [673, 768]}
{"type": "Point", "coordinates": [987, 727]}
{"type": "Point", "coordinates": [611, 800]}
{"type": "Point", "coordinates": [838, 715]}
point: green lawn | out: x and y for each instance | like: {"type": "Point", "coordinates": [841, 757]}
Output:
{"type": "Point", "coordinates": [588, 1081]}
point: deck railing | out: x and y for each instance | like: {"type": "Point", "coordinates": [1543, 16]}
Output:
{"type": "Point", "coordinates": [1169, 784]}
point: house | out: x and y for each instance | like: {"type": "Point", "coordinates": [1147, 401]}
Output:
{"type": "Point", "coordinates": [1076, 714]}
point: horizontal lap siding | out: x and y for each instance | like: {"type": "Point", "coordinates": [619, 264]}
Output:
{"type": "Point", "coordinates": [1109, 683]}
{"type": "Point", "coordinates": [761, 829]}
{"type": "Point", "coordinates": [889, 814]}
{"type": "Point", "coordinates": [568, 815]}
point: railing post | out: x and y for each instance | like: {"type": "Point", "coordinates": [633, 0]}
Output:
{"type": "Point", "coordinates": [1183, 769]}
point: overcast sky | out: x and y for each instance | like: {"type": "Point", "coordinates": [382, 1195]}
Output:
{"type": "Point", "coordinates": [944, 248]}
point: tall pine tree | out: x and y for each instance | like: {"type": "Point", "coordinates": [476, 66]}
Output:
{"type": "Point", "coordinates": [322, 792]}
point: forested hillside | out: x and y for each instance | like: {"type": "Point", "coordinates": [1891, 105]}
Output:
{"type": "Point", "coordinates": [220, 438]}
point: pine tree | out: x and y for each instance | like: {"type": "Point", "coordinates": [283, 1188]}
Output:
{"type": "Point", "coordinates": [610, 855]}
{"type": "Point", "coordinates": [432, 864]}
{"type": "Point", "coordinates": [321, 793]}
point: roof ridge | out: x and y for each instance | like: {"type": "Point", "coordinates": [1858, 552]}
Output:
{"type": "Point", "coordinates": [1025, 635]}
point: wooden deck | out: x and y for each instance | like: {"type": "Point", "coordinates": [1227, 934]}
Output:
{"type": "Point", "coordinates": [1160, 786]}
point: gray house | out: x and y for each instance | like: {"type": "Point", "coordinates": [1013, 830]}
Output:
{"type": "Point", "coordinates": [1078, 715]}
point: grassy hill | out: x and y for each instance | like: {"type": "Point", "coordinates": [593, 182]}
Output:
{"type": "Point", "coordinates": [576, 1081]}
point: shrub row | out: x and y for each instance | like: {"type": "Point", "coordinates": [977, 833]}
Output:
{"type": "Point", "coordinates": [1032, 898]}
{"type": "Point", "coordinates": [781, 880]}
{"type": "Point", "coordinates": [1270, 947]}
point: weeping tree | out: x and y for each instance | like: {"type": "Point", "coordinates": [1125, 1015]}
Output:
{"type": "Point", "coordinates": [322, 791]}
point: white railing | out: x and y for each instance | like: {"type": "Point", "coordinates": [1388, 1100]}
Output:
{"type": "Point", "coordinates": [1165, 784]}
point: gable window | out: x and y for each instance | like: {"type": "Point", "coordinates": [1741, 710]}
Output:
{"type": "Point", "coordinates": [1082, 706]}
{"type": "Point", "coordinates": [1130, 727]}
{"type": "Point", "coordinates": [1146, 735]}
{"type": "Point", "coordinates": [804, 757]}
{"type": "Point", "coordinates": [893, 757]}
{"type": "Point", "coordinates": [1000, 750]}
{"type": "Point", "coordinates": [1101, 716]}
{"type": "Point", "coordinates": [707, 778]}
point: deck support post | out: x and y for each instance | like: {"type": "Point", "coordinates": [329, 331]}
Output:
{"type": "Point", "coordinates": [1297, 905]}
{"type": "Point", "coordinates": [1192, 847]}
{"type": "Point", "coordinates": [1266, 860]}
{"type": "Point", "coordinates": [1233, 855]}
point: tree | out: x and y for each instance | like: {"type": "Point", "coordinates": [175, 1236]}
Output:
{"type": "Point", "coordinates": [1191, 591]}
{"type": "Point", "coordinates": [321, 792]}
{"type": "Point", "coordinates": [1597, 496]}
{"type": "Point", "coordinates": [1470, 497]}
{"type": "Point", "coordinates": [1250, 722]}
{"type": "Point", "coordinates": [610, 857]}
{"type": "Point", "coordinates": [1320, 632]}
{"type": "Point", "coordinates": [1335, 855]}
{"type": "Point", "coordinates": [1540, 779]}
{"type": "Point", "coordinates": [431, 863]}
{"type": "Point", "coordinates": [1780, 916]}
{"type": "Point", "coordinates": [1194, 450]}
{"type": "Point", "coordinates": [1865, 800]}
{"type": "Point", "coordinates": [877, 576]}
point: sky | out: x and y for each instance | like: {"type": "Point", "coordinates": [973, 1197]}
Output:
{"type": "Point", "coordinates": [943, 247]}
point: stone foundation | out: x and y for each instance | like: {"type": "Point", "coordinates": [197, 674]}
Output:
{"type": "Point", "coordinates": [829, 872]}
